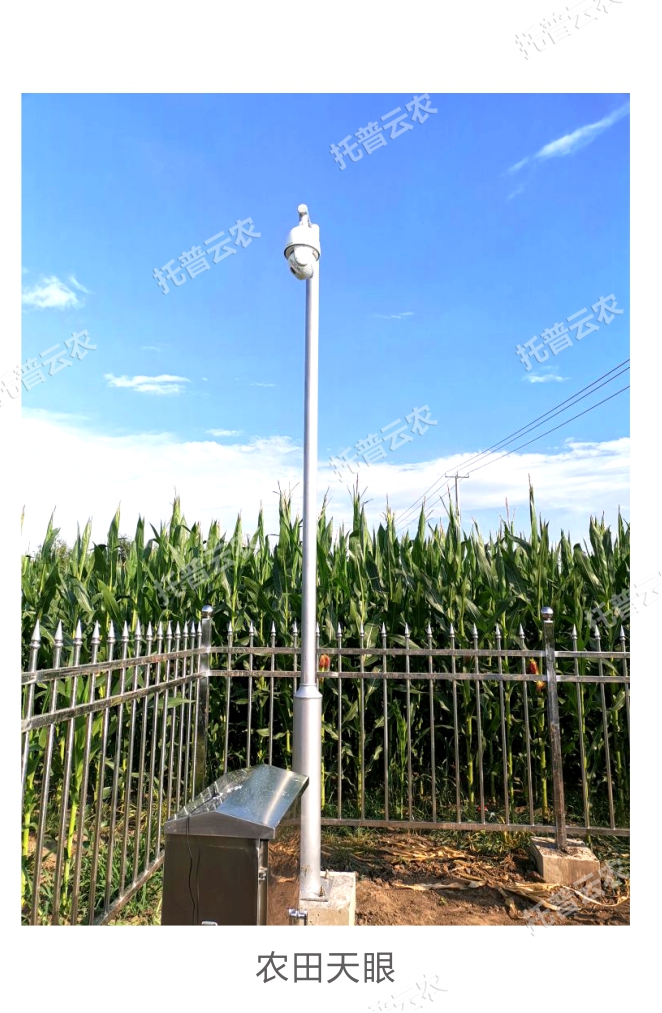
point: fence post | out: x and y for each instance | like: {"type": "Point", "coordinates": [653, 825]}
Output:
{"type": "Point", "coordinates": [203, 703]}
{"type": "Point", "coordinates": [554, 727]}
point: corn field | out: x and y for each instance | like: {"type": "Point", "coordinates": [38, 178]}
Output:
{"type": "Point", "coordinates": [440, 576]}
{"type": "Point", "coordinates": [441, 588]}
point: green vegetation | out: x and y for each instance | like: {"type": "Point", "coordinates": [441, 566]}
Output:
{"type": "Point", "coordinates": [440, 576]}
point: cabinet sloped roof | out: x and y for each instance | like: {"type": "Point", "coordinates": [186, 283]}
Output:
{"type": "Point", "coordinates": [251, 802]}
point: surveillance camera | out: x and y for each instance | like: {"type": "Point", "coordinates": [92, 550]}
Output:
{"type": "Point", "coordinates": [302, 248]}
{"type": "Point", "coordinates": [302, 262]}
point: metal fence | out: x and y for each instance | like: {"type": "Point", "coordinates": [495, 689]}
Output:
{"type": "Point", "coordinates": [460, 737]}
{"type": "Point", "coordinates": [110, 750]}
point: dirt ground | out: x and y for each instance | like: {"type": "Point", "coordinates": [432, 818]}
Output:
{"type": "Point", "coordinates": [416, 880]}
{"type": "Point", "coordinates": [381, 903]}
{"type": "Point", "coordinates": [448, 879]}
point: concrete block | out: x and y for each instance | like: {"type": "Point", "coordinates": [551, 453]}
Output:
{"type": "Point", "coordinates": [338, 906]}
{"type": "Point", "coordinates": [566, 868]}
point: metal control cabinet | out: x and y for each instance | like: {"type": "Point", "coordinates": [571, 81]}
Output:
{"type": "Point", "coordinates": [232, 854]}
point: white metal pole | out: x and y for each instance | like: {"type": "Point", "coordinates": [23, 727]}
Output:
{"type": "Point", "coordinates": [307, 744]}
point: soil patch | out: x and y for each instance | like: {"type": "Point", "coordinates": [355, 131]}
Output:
{"type": "Point", "coordinates": [406, 879]}
{"type": "Point", "coordinates": [381, 904]}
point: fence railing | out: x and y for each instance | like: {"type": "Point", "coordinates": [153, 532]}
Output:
{"type": "Point", "coordinates": [459, 737]}
{"type": "Point", "coordinates": [110, 750]}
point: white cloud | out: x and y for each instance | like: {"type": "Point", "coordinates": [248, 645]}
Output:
{"type": "Point", "coordinates": [45, 416]}
{"type": "Point", "coordinates": [544, 378]}
{"type": "Point", "coordinates": [584, 135]}
{"type": "Point", "coordinates": [263, 385]}
{"type": "Point", "coordinates": [224, 432]}
{"type": "Point", "coordinates": [217, 481]}
{"type": "Point", "coordinates": [78, 285]}
{"type": "Point", "coordinates": [164, 384]}
{"type": "Point", "coordinates": [519, 165]}
{"type": "Point", "coordinates": [50, 293]}
{"type": "Point", "coordinates": [392, 316]}
{"type": "Point", "coordinates": [579, 138]}
{"type": "Point", "coordinates": [570, 485]}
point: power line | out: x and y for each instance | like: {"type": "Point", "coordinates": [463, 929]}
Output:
{"type": "Point", "coordinates": [573, 399]}
{"type": "Point", "coordinates": [555, 410]}
{"type": "Point", "coordinates": [540, 420]}
{"type": "Point", "coordinates": [552, 430]}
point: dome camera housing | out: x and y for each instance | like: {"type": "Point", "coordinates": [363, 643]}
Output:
{"type": "Point", "coordinates": [302, 249]}
{"type": "Point", "coordinates": [302, 260]}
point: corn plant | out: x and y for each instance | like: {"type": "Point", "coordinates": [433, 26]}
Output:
{"type": "Point", "coordinates": [458, 583]}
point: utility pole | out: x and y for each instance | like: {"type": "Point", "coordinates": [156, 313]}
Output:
{"type": "Point", "coordinates": [457, 498]}
{"type": "Point", "coordinates": [302, 250]}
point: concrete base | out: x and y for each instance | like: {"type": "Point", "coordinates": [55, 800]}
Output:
{"type": "Point", "coordinates": [567, 868]}
{"type": "Point", "coordinates": [338, 906]}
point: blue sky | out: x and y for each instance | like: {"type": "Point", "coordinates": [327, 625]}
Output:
{"type": "Point", "coordinates": [442, 250]}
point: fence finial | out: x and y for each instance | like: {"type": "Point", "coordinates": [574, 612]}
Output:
{"type": "Point", "coordinates": [547, 613]}
{"type": "Point", "coordinates": [406, 630]}
{"type": "Point", "coordinates": [111, 633]}
{"type": "Point", "coordinates": [451, 630]}
{"type": "Point", "coordinates": [159, 631]}
{"type": "Point", "coordinates": [139, 632]}
{"type": "Point", "coordinates": [207, 611]}
{"type": "Point", "coordinates": [78, 634]}
{"type": "Point", "coordinates": [273, 629]}
{"type": "Point", "coordinates": [96, 633]}
{"type": "Point", "coordinates": [150, 631]}
{"type": "Point", "coordinates": [59, 637]}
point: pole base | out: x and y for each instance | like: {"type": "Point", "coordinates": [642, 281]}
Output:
{"type": "Point", "coordinates": [307, 760]}
{"type": "Point", "coordinates": [565, 868]}
{"type": "Point", "coordinates": [338, 905]}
